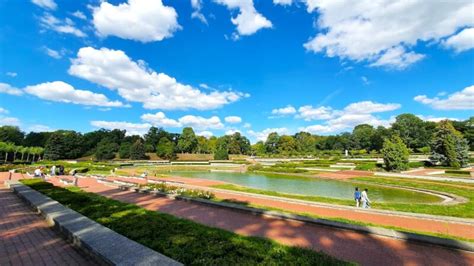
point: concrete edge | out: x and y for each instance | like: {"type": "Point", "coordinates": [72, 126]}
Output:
{"type": "Point", "coordinates": [102, 243]}
{"type": "Point", "coordinates": [372, 230]}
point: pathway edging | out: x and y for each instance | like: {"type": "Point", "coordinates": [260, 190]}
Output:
{"type": "Point", "coordinates": [95, 239]}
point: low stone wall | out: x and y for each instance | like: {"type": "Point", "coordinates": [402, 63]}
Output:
{"type": "Point", "coordinates": [97, 240]}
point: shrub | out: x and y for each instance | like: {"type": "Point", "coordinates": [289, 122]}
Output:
{"type": "Point", "coordinates": [395, 154]}
{"type": "Point", "coordinates": [458, 172]}
{"type": "Point", "coordinates": [255, 167]}
{"type": "Point", "coordinates": [367, 166]}
{"type": "Point", "coordinates": [416, 164]}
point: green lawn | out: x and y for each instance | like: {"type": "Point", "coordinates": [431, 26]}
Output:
{"type": "Point", "coordinates": [183, 240]}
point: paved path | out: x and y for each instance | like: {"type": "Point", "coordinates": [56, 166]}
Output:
{"type": "Point", "coordinates": [26, 239]}
{"type": "Point", "coordinates": [344, 244]}
{"type": "Point", "coordinates": [430, 224]}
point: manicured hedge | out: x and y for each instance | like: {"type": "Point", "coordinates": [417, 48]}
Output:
{"type": "Point", "coordinates": [183, 240]}
{"type": "Point", "coordinates": [458, 172]}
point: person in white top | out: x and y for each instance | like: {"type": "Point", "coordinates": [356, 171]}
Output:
{"type": "Point", "coordinates": [38, 172]}
{"type": "Point", "coordinates": [365, 199]}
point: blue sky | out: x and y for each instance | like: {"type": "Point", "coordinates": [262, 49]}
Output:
{"type": "Point", "coordinates": [233, 65]}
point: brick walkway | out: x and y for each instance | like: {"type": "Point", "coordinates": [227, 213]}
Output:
{"type": "Point", "coordinates": [26, 239]}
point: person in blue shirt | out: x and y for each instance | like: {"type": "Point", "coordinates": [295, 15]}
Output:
{"type": "Point", "coordinates": [357, 196]}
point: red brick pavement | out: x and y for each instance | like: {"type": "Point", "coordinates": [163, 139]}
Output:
{"type": "Point", "coordinates": [26, 239]}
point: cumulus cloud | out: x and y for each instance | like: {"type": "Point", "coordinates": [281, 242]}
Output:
{"type": "Point", "coordinates": [461, 100]}
{"type": "Point", "coordinates": [139, 20]}
{"type": "Point", "coordinates": [135, 82]}
{"type": "Point", "coordinates": [283, 2]}
{"type": "Point", "coordinates": [248, 21]}
{"type": "Point", "coordinates": [205, 133]}
{"type": "Point", "coordinates": [39, 128]}
{"type": "Point", "coordinates": [9, 121]}
{"type": "Point", "coordinates": [384, 33]}
{"type": "Point", "coordinates": [3, 111]}
{"type": "Point", "coordinates": [233, 119]}
{"type": "Point", "coordinates": [197, 6]}
{"type": "Point", "coordinates": [59, 91]}
{"type": "Point", "coordinates": [309, 113]}
{"type": "Point", "coordinates": [47, 4]}
{"type": "Point", "coordinates": [262, 135]}
{"type": "Point", "coordinates": [352, 115]}
{"type": "Point", "coordinates": [232, 131]}
{"type": "Point", "coordinates": [8, 89]}
{"type": "Point", "coordinates": [50, 22]}
{"type": "Point", "coordinates": [436, 119]}
{"type": "Point", "coordinates": [462, 41]}
{"type": "Point", "coordinates": [160, 119]}
{"type": "Point", "coordinates": [196, 122]}
{"type": "Point", "coordinates": [131, 128]}
{"type": "Point", "coordinates": [288, 110]}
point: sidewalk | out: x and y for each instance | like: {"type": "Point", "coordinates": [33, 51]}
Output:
{"type": "Point", "coordinates": [26, 239]}
{"type": "Point", "coordinates": [344, 244]}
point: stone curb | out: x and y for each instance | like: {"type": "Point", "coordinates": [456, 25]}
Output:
{"type": "Point", "coordinates": [372, 230]}
{"type": "Point", "coordinates": [96, 240]}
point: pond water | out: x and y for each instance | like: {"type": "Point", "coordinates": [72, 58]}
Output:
{"type": "Point", "coordinates": [313, 186]}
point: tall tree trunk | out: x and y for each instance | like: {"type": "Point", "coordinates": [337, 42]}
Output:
{"type": "Point", "coordinates": [28, 157]}
{"type": "Point", "coordinates": [34, 155]}
{"type": "Point", "coordinates": [22, 155]}
{"type": "Point", "coordinates": [6, 156]}
{"type": "Point", "coordinates": [14, 156]}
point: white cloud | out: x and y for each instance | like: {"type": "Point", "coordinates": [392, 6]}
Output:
{"type": "Point", "coordinates": [11, 74]}
{"type": "Point", "coordinates": [8, 89]}
{"type": "Point", "coordinates": [39, 128]}
{"type": "Point", "coordinates": [197, 6]}
{"type": "Point", "coordinates": [196, 122]}
{"type": "Point", "coordinates": [9, 121]}
{"type": "Point", "coordinates": [232, 131]}
{"type": "Point", "coordinates": [132, 128]}
{"type": "Point", "coordinates": [288, 110]}
{"type": "Point", "coordinates": [160, 119]}
{"type": "Point", "coordinates": [462, 41]}
{"type": "Point", "coordinates": [309, 113]}
{"type": "Point", "coordinates": [199, 122]}
{"type": "Point", "coordinates": [47, 4]}
{"type": "Point", "coordinates": [283, 2]}
{"type": "Point", "coordinates": [53, 53]}
{"type": "Point", "coordinates": [139, 20]}
{"type": "Point", "coordinates": [385, 32]}
{"type": "Point", "coordinates": [247, 125]}
{"type": "Point", "coordinates": [262, 135]}
{"type": "Point", "coordinates": [3, 111]}
{"type": "Point", "coordinates": [206, 134]}
{"type": "Point", "coordinates": [461, 100]}
{"type": "Point", "coordinates": [135, 82]}
{"type": "Point", "coordinates": [233, 119]}
{"type": "Point", "coordinates": [50, 22]}
{"type": "Point", "coordinates": [436, 119]}
{"type": "Point", "coordinates": [352, 115]}
{"type": "Point", "coordinates": [367, 107]}
{"type": "Point", "coordinates": [80, 15]}
{"type": "Point", "coordinates": [59, 91]}
{"type": "Point", "coordinates": [248, 21]}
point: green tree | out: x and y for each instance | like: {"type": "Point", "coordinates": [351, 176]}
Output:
{"type": "Point", "coordinates": [187, 141]}
{"type": "Point", "coordinates": [377, 139]}
{"type": "Point", "coordinates": [305, 142]}
{"type": "Point", "coordinates": [11, 134]}
{"type": "Point", "coordinates": [153, 137]}
{"type": "Point", "coordinates": [467, 129]}
{"type": "Point", "coordinates": [166, 149]}
{"type": "Point", "coordinates": [271, 144]}
{"type": "Point", "coordinates": [448, 147]}
{"type": "Point", "coordinates": [258, 149]}
{"type": "Point", "coordinates": [203, 145]}
{"type": "Point", "coordinates": [395, 154]}
{"type": "Point", "coordinates": [222, 148]}
{"type": "Point", "coordinates": [362, 137]}
{"type": "Point", "coordinates": [36, 139]}
{"type": "Point", "coordinates": [137, 151]}
{"type": "Point", "coordinates": [238, 144]}
{"type": "Point", "coordinates": [124, 150]}
{"type": "Point", "coordinates": [106, 149]}
{"type": "Point", "coordinates": [412, 130]}
{"type": "Point", "coordinates": [54, 148]}
{"type": "Point", "coordinates": [286, 144]}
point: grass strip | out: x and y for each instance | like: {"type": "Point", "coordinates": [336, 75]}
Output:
{"type": "Point", "coordinates": [183, 240]}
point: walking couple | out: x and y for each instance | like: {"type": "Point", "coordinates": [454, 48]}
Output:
{"type": "Point", "coordinates": [362, 198]}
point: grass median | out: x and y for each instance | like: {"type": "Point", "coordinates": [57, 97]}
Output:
{"type": "Point", "coordinates": [183, 240]}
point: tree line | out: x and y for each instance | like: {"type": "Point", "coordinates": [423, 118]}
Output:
{"type": "Point", "coordinates": [416, 134]}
